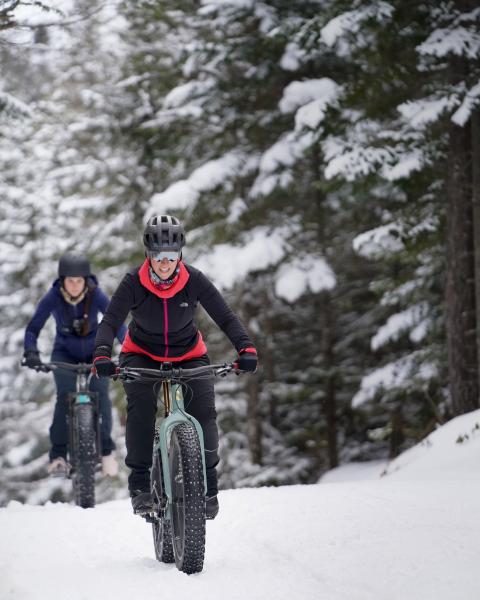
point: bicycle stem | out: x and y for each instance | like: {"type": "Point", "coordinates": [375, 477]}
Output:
{"type": "Point", "coordinates": [166, 398]}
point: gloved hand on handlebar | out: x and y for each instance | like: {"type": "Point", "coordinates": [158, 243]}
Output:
{"type": "Point", "coordinates": [32, 359]}
{"type": "Point", "coordinates": [103, 366]}
{"type": "Point", "coordinates": [247, 360]}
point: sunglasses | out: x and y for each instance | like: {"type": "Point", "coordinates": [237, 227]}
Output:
{"type": "Point", "coordinates": [171, 255]}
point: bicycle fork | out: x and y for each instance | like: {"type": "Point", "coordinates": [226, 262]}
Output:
{"type": "Point", "coordinates": [175, 414]}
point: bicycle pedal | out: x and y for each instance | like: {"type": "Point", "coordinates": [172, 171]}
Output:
{"type": "Point", "coordinates": [149, 518]}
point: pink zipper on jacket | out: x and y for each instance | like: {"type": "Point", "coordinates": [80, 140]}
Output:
{"type": "Point", "coordinates": [165, 325]}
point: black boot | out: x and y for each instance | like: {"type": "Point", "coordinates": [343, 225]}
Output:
{"type": "Point", "coordinates": [142, 502]}
{"type": "Point", "coordinates": [211, 507]}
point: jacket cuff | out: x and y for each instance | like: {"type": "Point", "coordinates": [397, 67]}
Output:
{"type": "Point", "coordinates": [100, 357]}
{"type": "Point", "coordinates": [250, 350]}
{"type": "Point", "coordinates": [102, 352]}
{"type": "Point", "coordinates": [28, 351]}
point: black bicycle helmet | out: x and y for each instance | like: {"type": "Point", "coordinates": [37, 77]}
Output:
{"type": "Point", "coordinates": [163, 232]}
{"type": "Point", "coordinates": [73, 265]}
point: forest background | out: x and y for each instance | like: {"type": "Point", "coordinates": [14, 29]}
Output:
{"type": "Point", "coordinates": [324, 157]}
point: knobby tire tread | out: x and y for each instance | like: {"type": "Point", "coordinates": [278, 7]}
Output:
{"type": "Point", "coordinates": [189, 552]}
{"type": "Point", "coordinates": [162, 531]}
{"type": "Point", "coordinates": [85, 457]}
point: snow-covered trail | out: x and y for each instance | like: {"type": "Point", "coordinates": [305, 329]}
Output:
{"type": "Point", "coordinates": [382, 540]}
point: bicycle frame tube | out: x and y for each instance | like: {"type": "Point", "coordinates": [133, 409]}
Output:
{"type": "Point", "coordinates": [175, 414]}
{"type": "Point", "coordinates": [82, 383]}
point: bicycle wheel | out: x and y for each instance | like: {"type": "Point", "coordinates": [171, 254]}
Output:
{"type": "Point", "coordinates": [188, 499]}
{"type": "Point", "coordinates": [162, 532]}
{"type": "Point", "coordinates": [84, 455]}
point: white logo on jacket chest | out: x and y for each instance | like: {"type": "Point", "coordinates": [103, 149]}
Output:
{"type": "Point", "coordinates": [183, 304]}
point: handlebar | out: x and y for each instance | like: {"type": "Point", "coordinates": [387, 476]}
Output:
{"type": "Point", "coordinates": [81, 368]}
{"type": "Point", "coordinates": [146, 375]}
{"type": "Point", "coordinates": [177, 374]}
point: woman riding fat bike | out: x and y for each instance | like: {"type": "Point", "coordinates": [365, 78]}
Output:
{"type": "Point", "coordinates": [162, 295]}
{"type": "Point", "coordinates": [74, 300]}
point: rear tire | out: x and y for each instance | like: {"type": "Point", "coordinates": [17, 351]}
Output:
{"type": "Point", "coordinates": [84, 455]}
{"type": "Point", "coordinates": [162, 532]}
{"type": "Point", "coordinates": [188, 499]}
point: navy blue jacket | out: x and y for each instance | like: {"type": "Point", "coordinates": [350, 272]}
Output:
{"type": "Point", "coordinates": [78, 348]}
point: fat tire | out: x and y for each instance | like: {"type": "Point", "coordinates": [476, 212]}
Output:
{"type": "Point", "coordinates": [188, 498]}
{"type": "Point", "coordinates": [161, 528]}
{"type": "Point", "coordinates": [85, 454]}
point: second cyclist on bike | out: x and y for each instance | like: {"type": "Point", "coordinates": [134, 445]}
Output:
{"type": "Point", "coordinates": [162, 295]}
{"type": "Point", "coordinates": [74, 300]}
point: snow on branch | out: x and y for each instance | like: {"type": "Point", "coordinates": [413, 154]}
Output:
{"type": "Point", "coordinates": [310, 99]}
{"type": "Point", "coordinates": [404, 165]}
{"type": "Point", "coordinates": [294, 279]}
{"type": "Point", "coordinates": [267, 15]}
{"type": "Point", "coordinates": [421, 113]}
{"type": "Point", "coordinates": [186, 91]}
{"type": "Point", "coordinates": [351, 22]}
{"type": "Point", "coordinates": [185, 193]}
{"type": "Point", "coordinates": [356, 161]}
{"type": "Point", "coordinates": [275, 162]}
{"type": "Point", "coordinates": [460, 41]}
{"type": "Point", "coordinates": [292, 57]}
{"type": "Point", "coordinates": [361, 154]}
{"type": "Point", "coordinates": [227, 264]}
{"type": "Point", "coordinates": [472, 99]}
{"type": "Point", "coordinates": [399, 375]}
{"type": "Point", "coordinates": [12, 106]}
{"type": "Point", "coordinates": [399, 323]}
{"type": "Point", "coordinates": [377, 242]}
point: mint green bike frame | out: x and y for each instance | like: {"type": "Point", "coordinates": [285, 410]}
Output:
{"type": "Point", "coordinates": [174, 414]}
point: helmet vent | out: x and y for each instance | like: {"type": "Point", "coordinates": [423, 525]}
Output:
{"type": "Point", "coordinates": [163, 232]}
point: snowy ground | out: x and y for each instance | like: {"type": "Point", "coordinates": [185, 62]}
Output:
{"type": "Point", "coordinates": [412, 534]}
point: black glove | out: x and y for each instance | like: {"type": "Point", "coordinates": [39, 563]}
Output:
{"type": "Point", "coordinates": [31, 358]}
{"type": "Point", "coordinates": [247, 361]}
{"type": "Point", "coordinates": [104, 367]}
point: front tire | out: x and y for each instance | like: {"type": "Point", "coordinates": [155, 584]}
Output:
{"type": "Point", "coordinates": [84, 455]}
{"type": "Point", "coordinates": [188, 499]}
{"type": "Point", "coordinates": [162, 532]}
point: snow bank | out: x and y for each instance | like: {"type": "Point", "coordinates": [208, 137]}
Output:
{"type": "Point", "coordinates": [410, 534]}
{"type": "Point", "coordinates": [450, 453]}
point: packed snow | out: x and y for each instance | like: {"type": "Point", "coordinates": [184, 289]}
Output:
{"type": "Point", "coordinates": [373, 531]}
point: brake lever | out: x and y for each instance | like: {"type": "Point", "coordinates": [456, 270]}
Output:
{"type": "Point", "coordinates": [224, 371]}
{"type": "Point", "coordinates": [127, 377]}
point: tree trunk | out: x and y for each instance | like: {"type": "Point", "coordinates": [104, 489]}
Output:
{"type": "Point", "coordinates": [254, 425]}
{"type": "Point", "coordinates": [396, 437]}
{"type": "Point", "coordinates": [475, 127]}
{"type": "Point", "coordinates": [460, 291]}
{"type": "Point", "coordinates": [330, 400]}
{"type": "Point", "coordinates": [268, 364]}
{"type": "Point", "coordinates": [253, 422]}
{"type": "Point", "coordinates": [329, 327]}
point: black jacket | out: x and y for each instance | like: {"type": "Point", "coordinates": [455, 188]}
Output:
{"type": "Point", "coordinates": [163, 323]}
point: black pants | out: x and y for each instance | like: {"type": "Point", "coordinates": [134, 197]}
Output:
{"type": "Point", "coordinates": [65, 382]}
{"type": "Point", "coordinates": [199, 399]}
